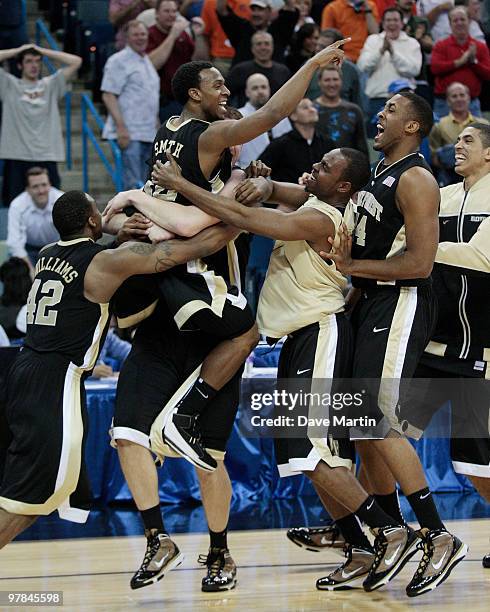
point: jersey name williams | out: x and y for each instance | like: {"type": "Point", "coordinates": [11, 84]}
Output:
{"type": "Point", "coordinates": [168, 146]}
{"type": "Point", "coordinates": [367, 200]}
{"type": "Point", "coordinates": [58, 266]}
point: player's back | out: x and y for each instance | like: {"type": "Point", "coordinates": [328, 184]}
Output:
{"type": "Point", "coordinates": [60, 319]}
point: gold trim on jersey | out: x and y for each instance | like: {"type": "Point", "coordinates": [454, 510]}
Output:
{"type": "Point", "coordinates": [174, 128]}
{"type": "Point", "coordinates": [74, 241]}
{"type": "Point", "coordinates": [436, 348]}
{"type": "Point", "coordinates": [134, 319]}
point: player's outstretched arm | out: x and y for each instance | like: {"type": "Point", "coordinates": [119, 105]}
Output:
{"type": "Point", "coordinates": [307, 224]}
{"type": "Point", "coordinates": [109, 269]}
{"type": "Point", "coordinates": [223, 134]}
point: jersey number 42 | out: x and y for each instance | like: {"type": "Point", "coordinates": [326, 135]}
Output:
{"type": "Point", "coordinates": [40, 311]}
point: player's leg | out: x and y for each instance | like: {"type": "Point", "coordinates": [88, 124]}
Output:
{"type": "Point", "coordinates": [393, 327]}
{"type": "Point", "coordinates": [144, 382]}
{"type": "Point", "coordinates": [13, 524]}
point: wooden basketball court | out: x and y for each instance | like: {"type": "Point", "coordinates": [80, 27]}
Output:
{"type": "Point", "coordinates": [273, 574]}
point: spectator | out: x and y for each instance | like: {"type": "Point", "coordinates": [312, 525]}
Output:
{"type": "Point", "coordinates": [130, 92]}
{"type": "Point", "coordinates": [148, 16]}
{"type": "Point", "coordinates": [386, 57]}
{"type": "Point", "coordinates": [351, 86]}
{"type": "Point", "coordinates": [474, 13]}
{"type": "Point", "coordinates": [258, 93]}
{"type": "Point", "coordinates": [339, 120]}
{"type": "Point", "coordinates": [444, 134]}
{"type": "Point", "coordinates": [30, 225]}
{"type": "Point", "coordinates": [303, 46]}
{"type": "Point", "coordinates": [12, 28]}
{"type": "Point", "coordinates": [240, 31]}
{"type": "Point", "coordinates": [31, 132]}
{"type": "Point", "coordinates": [304, 8]}
{"type": "Point", "coordinates": [262, 51]}
{"type": "Point", "coordinates": [220, 48]}
{"type": "Point", "coordinates": [169, 46]}
{"type": "Point", "coordinates": [16, 279]}
{"type": "Point", "coordinates": [459, 58]}
{"type": "Point", "coordinates": [437, 13]}
{"type": "Point", "coordinates": [123, 11]}
{"type": "Point", "coordinates": [355, 18]}
{"type": "Point", "coordinates": [293, 154]}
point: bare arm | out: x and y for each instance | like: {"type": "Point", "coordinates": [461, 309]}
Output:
{"type": "Point", "coordinates": [112, 105]}
{"type": "Point", "coordinates": [109, 269]}
{"type": "Point", "coordinates": [7, 54]}
{"type": "Point", "coordinates": [421, 234]}
{"type": "Point", "coordinates": [289, 194]}
{"type": "Point", "coordinates": [223, 134]}
{"type": "Point", "coordinates": [72, 62]}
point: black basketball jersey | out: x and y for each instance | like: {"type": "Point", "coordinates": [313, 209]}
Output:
{"type": "Point", "coordinates": [60, 319]}
{"type": "Point", "coordinates": [379, 231]}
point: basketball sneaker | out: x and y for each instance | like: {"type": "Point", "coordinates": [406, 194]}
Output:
{"type": "Point", "coordinates": [316, 538]}
{"type": "Point", "coordinates": [161, 556]}
{"type": "Point", "coordinates": [221, 574]}
{"type": "Point", "coordinates": [442, 551]}
{"type": "Point", "coordinates": [486, 561]}
{"type": "Point", "coordinates": [182, 434]}
{"type": "Point", "coordinates": [351, 574]}
{"type": "Point", "coordinates": [393, 547]}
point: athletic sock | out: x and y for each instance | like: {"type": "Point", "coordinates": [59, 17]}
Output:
{"type": "Point", "coordinates": [425, 509]}
{"type": "Point", "coordinates": [391, 505]}
{"type": "Point", "coordinates": [218, 539]}
{"type": "Point", "coordinates": [351, 529]}
{"type": "Point", "coordinates": [152, 519]}
{"type": "Point", "coordinates": [373, 515]}
{"type": "Point", "coordinates": [196, 398]}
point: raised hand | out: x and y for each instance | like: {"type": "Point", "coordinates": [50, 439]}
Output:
{"type": "Point", "coordinates": [331, 55]}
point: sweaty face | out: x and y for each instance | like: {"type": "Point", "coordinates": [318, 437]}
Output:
{"type": "Point", "coordinates": [391, 123]}
{"type": "Point", "coordinates": [330, 83]}
{"type": "Point", "coordinates": [470, 153]}
{"type": "Point", "coordinates": [213, 94]}
{"type": "Point", "coordinates": [38, 188]}
{"type": "Point", "coordinates": [326, 175]}
{"type": "Point", "coordinates": [31, 67]}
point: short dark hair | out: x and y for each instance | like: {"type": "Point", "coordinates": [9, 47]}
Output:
{"type": "Point", "coordinates": [188, 76]}
{"type": "Point", "coordinates": [421, 112]}
{"type": "Point", "coordinates": [16, 279]}
{"type": "Point", "coordinates": [71, 212]}
{"type": "Point", "coordinates": [484, 130]}
{"type": "Point", "coordinates": [332, 33]}
{"type": "Point", "coordinates": [358, 170]}
{"type": "Point", "coordinates": [30, 51]}
{"type": "Point", "coordinates": [159, 2]}
{"type": "Point", "coordinates": [36, 171]}
{"type": "Point", "coordinates": [392, 9]}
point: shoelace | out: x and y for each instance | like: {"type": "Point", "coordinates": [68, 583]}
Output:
{"type": "Point", "coordinates": [428, 547]}
{"type": "Point", "coordinates": [151, 548]}
{"type": "Point", "coordinates": [215, 562]}
{"type": "Point", "coordinates": [380, 546]}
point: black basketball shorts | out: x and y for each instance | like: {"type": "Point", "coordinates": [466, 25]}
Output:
{"type": "Point", "coordinates": [46, 415]}
{"type": "Point", "coordinates": [319, 352]}
{"type": "Point", "coordinates": [392, 327]}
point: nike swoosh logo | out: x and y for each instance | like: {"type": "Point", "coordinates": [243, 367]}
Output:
{"type": "Point", "coordinates": [325, 540]}
{"type": "Point", "coordinates": [390, 561]}
{"type": "Point", "coordinates": [303, 371]}
{"type": "Point", "coordinates": [376, 330]}
{"type": "Point", "coordinates": [438, 565]}
{"type": "Point", "coordinates": [349, 574]}
{"type": "Point", "coordinates": [424, 496]}
{"type": "Point", "coordinates": [204, 396]}
{"type": "Point", "coordinates": [370, 505]}
{"type": "Point", "coordinates": [445, 221]}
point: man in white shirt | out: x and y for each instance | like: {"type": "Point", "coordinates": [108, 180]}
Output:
{"type": "Point", "coordinates": [131, 87]}
{"type": "Point", "coordinates": [30, 224]}
{"type": "Point", "coordinates": [258, 92]}
{"type": "Point", "coordinates": [386, 57]}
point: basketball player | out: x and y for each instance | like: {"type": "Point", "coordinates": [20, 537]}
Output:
{"type": "Point", "coordinates": [68, 312]}
{"type": "Point", "coordinates": [303, 299]}
{"type": "Point", "coordinates": [202, 295]}
{"type": "Point", "coordinates": [460, 341]}
{"type": "Point", "coordinates": [394, 243]}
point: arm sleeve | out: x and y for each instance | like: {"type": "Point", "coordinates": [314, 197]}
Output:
{"type": "Point", "coordinates": [114, 77]}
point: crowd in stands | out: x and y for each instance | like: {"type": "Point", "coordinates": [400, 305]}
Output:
{"type": "Point", "coordinates": [439, 49]}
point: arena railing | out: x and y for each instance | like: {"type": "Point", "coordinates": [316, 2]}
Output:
{"type": "Point", "coordinates": [115, 171]}
{"type": "Point", "coordinates": [43, 32]}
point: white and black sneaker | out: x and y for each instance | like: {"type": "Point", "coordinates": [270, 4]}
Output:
{"type": "Point", "coordinates": [316, 538]}
{"type": "Point", "coordinates": [182, 434]}
{"type": "Point", "coordinates": [351, 574]}
{"type": "Point", "coordinates": [221, 574]}
{"type": "Point", "coordinates": [161, 556]}
{"type": "Point", "coordinates": [393, 547]}
{"type": "Point", "coordinates": [442, 552]}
